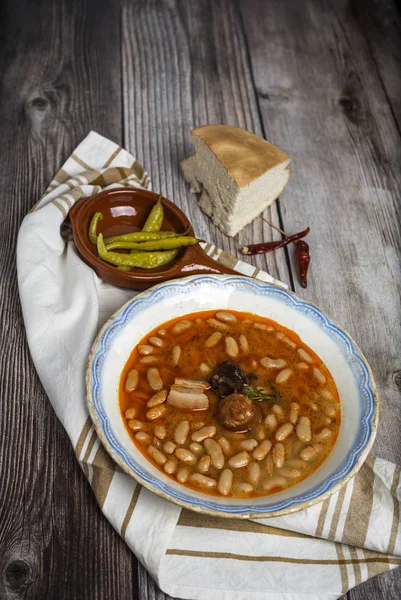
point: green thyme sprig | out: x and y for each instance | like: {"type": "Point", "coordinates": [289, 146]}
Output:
{"type": "Point", "coordinates": [260, 393]}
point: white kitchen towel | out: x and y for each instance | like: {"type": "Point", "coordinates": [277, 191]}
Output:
{"type": "Point", "coordinates": [316, 553]}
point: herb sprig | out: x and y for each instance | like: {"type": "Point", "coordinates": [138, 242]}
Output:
{"type": "Point", "coordinates": [260, 393]}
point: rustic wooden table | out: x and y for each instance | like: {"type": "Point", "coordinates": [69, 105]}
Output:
{"type": "Point", "coordinates": [320, 79]}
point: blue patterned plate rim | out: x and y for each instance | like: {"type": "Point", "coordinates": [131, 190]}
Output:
{"type": "Point", "coordinates": [368, 399]}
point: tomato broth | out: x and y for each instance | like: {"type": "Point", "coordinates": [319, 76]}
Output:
{"type": "Point", "coordinates": [289, 391]}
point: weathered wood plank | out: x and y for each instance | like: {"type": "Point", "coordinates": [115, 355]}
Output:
{"type": "Point", "coordinates": [59, 64]}
{"type": "Point", "coordinates": [345, 183]}
{"type": "Point", "coordinates": [184, 64]}
{"type": "Point", "coordinates": [380, 23]}
{"type": "Point", "coordinates": [321, 95]}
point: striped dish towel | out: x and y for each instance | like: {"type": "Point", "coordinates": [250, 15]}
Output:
{"type": "Point", "coordinates": [316, 553]}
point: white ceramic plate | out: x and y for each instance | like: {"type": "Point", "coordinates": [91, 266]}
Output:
{"type": "Point", "coordinates": [352, 375]}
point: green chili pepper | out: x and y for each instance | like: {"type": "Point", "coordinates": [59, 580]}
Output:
{"type": "Point", "coordinates": [141, 236]}
{"type": "Point", "coordinates": [144, 260]}
{"type": "Point", "coordinates": [93, 227]}
{"type": "Point", "coordinates": [155, 219]}
{"type": "Point", "coordinates": [167, 244]}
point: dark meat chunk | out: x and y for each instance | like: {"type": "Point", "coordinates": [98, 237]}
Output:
{"type": "Point", "coordinates": [238, 413]}
{"type": "Point", "coordinates": [228, 379]}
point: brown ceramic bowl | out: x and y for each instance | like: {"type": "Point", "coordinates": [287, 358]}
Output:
{"type": "Point", "coordinates": [124, 211]}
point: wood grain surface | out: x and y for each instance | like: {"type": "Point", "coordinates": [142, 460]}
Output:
{"type": "Point", "coordinates": [322, 80]}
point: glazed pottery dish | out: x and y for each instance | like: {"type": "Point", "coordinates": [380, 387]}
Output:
{"type": "Point", "coordinates": [231, 396]}
{"type": "Point", "coordinates": [124, 211]}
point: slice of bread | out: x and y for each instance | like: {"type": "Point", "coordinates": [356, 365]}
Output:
{"type": "Point", "coordinates": [237, 174]}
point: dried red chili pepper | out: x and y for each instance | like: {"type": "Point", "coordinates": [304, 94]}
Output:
{"type": "Point", "coordinates": [266, 247]}
{"type": "Point", "coordinates": [303, 258]}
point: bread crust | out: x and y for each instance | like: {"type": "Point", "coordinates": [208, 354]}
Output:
{"type": "Point", "coordinates": [244, 155]}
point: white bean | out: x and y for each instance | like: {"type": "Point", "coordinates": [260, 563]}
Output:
{"type": "Point", "coordinates": [243, 342]}
{"type": "Point", "coordinates": [170, 466]}
{"type": "Point", "coordinates": [156, 455]}
{"type": "Point", "coordinates": [295, 463]}
{"type": "Point", "coordinates": [205, 369]}
{"type": "Point", "coordinates": [329, 410]}
{"type": "Point", "coordinates": [144, 350]}
{"type": "Point", "coordinates": [280, 335]}
{"type": "Point", "coordinates": [155, 341]}
{"type": "Point", "coordinates": [260, 433]}
{"type": "Point", "coordinates": [304, 355]}
{"type": "Point", "coordinates": [263, 327]}
{"type": "Point", "coordinates": [289, 342]}
{"type": "Point", "coordinates": [254, 473]}
{"type": "Point", "coordinates": [231, 347]}
{"type": "Point", "coordinates": [271, 421]}
{"type": "Point", "coordinates": [135, 425]}
{"type": "Point", "coordinates": [181, 432]}
{"type": "Point", "coordinates": [269, 464]}
{"type": "Point", "coordinates": [308, 453]}
{"type": "Point", "coordinates": [302, 366]}
{"type": "Point", "coordinates": [226, 317]}
{"type": "Point", "coordinates": [142, 437]}
{"type": "Point", "coordinates": [149, 360]}
{"type": "Point", "coordinates": [278, 411]}
{"type": "Point", "coordinates": [216, 453]}
{"type": "Point", "coordinates": [319, 375]}
{"type": "Point", "coordinates": [156, 412]}
{"type": "Point", "coordinates": [182, 474]}
{"type": "Point", "coordinates": [162, 332]}
{"type": "Point", "coordinates": [262, 450]}
{"type": "Point", "coordinates": [130, 413]}
{"type": "Point", "coordinates": [160, 431]}
{"type": "Point", "coordinates": [245, 488]}
{"type": "Point", "coordinates": [154, 379]}
{"type": "Point", "coordinates": [294, 412]}
{"type": "Point", "coordinates": [156, 442]}
{"type": "Point", "coordinates": [284, 375]}
{"type": "Point", "coordinates": [176, 355]}
{"type": "Point", "coordinates": [217, 324]}
{"type": "Point", "coordinates": [303, 429]}
{"type": "Point", "coordinates": [169, 447]}
{"type": "Point", "coordinates": [248, 444]}
{"type": "Point", "coordinates": [185, 456]}
{"type": "Point", "coordinates": [213, 339]}
{"type": "Point", "coordinates": [202, 481]}
{"type": "Point", "coordinates": [197, 425]}
{"type": "Point", "coordinates": [156, 399]}
{"type": "Point", "coordinates": [284, 432]}
{"type": "Point", "coordinates": [132, 380]}
{"type": "Point", "coordinates": [290, 473]}
{"type": "Point", "coordinates": [196, 448]}
{"type": "Point", "coordinates": [278, 455]}
{"type": "Point", "coordinates": [326, 394]}
{"type": "Point", "coordinates": [274, 482]}
{"type": "Point", "coordinates": [206, 432]}
{"type": "Point", "coordinates": [239, 460]}
{"type": "Point", "coordinates": [225, 482]}
{"type": "Point", "coordinates": [180, 327]}
{"type": "Point", "coordinates": [323, 435]}
{"type": "Point", "coordinates": [204, 464]}
{"type": "Point", "coordinates": [273, 363]}
{"type": "Point", "coordinates": [225, 444]}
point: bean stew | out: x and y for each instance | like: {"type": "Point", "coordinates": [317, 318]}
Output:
{"type": "Point", "coordinates": [229, 403]}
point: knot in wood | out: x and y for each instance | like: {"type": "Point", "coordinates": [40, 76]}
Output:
{"type": "Point", "coordinates": [40, 103]}
{"type": "Point", "coordinates": [397, 378]}
{"type": "Point", "coordinates": [18, 575]}
{"type": "Point", "coordinates": [351, 108]}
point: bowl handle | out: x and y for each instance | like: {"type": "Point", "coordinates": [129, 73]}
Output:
{"type": "Point", "coordinates": [196, 262]}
